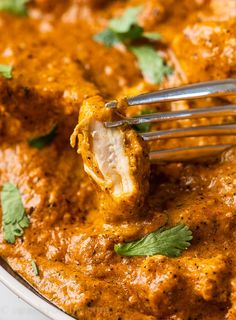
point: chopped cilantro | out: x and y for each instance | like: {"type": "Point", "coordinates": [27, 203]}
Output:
{"type": "Point", "coordinates": [108, 37]}
{"type": "Point", "coordinates": [17, 7]}
{"type": "Point", "coordinates": [168, 242]}
{"type": "Point", "coordinates": [35, 268]}
{"type": "Point", "coordinates": [151, 63]}
{"type": "Point", "coordinates": [124, 23]}
{"type": "Point", "coordinates": [121, 29]}
{"type": "Point", "coordinates": [14, 219]}
{"type": "Point", "coordinates": [43, 141]}
{"type": "Point", "coordinates": [6, 71]}
{"type": "Point", "coordinates": [126, 29]}
{"type": "Point", "coordinates": [135, 32]}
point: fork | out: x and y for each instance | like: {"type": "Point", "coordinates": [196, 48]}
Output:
{"type": "Point", "coordinates": [217, 88]}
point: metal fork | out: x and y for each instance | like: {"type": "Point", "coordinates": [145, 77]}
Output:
{"type": "Point", "coordinates": [218, 88]}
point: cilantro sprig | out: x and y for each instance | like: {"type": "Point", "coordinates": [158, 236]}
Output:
{"type": "Point", "coordinates": [121, 29]}
{"type": "Point", "coordinates": [124, 23]}
{"type": "Point", "coordinates": [170, 242]}
{"type": "Point", "coordinates": [107, 37]}
{"type": "Point", "coordinates": [17, 7]}
{"type": "Point", "coordinates": [44, 140]}
{"type": "Point", "coordinates": [125, 29]}
{"type": "Point", "coordinates": [35, 267]}
{"type": "Point", "coordinates": [14, 219]}
{"type": "Point", "coordinates": [151, 63]}
{"type": "Point", "coordinates": [6, 71]}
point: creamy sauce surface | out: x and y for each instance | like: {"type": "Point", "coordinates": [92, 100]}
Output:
{"type": "Point", "coordinates": [57, 65]}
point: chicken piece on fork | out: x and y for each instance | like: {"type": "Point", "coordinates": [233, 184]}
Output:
{"type": "Point", "coordinates": [116, 159]}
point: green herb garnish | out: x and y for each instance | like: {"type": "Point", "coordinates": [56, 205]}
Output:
{"type": "Point", "coordinates": [17, 7]}
{"type": "Point", "coordinates": [143, 127]}
{"type": "Point", "coordinates": [121, 29]}
{"type": "Point", "coordinates": [151, 63]}
{"type": "Point", "coordinates": [6, 70]}
{"type": "Point", "coordinates": [108, 37]}
{"type": "Point", "coordinates": [124, 23]}
{"type": "Point", "coordinates": [168, 242]}
{"type": "Point", "coordinates": [35, 268]}
{"type": "Point", "coordinates": [14, 219]}
{"type": "Point", "coordinates": [42, 141]}
{"type": "Point", "coordinates": [125, 29]}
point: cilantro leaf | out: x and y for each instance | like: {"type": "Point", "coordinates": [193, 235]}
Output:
{"type": "Point", "coordinates": [35, 268]}
{"type": "Point", "coordinates": [108, 37]}
{"type": "Point", "coordinates": [6, 71]}
{"type": "Point", "coordinates": [125, 29]}
{"type": "Point", "coordinates": [151, 64]}
{"type": "Point", "coordinates": [135, 32]}
{"type": "Point", "coordinates": [124, 23]}
{"type": "Point", "coordinates": [121, 29]}
{"type": "Point", "coordinates": [17, 7]}
{"type": "Point", "coordinates": [14, 219]}
{"type": "Point", "coordinates": [143, 127]}
{"type": "Point", "coordinates": [43, 141]}
{"type": "Point", "coordinates": [167, 242]}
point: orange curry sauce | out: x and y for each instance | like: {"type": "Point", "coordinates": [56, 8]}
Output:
{"type": "Point", "coordinates": [57, 65]}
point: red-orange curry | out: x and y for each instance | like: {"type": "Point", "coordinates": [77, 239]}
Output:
{"type": "Point", "coordinates": [57, 64]}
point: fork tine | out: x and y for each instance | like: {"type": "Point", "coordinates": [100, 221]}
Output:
{"type": "Point", "coordinates": [185, 154]}
{"type": "Point", "coordinates": [193, 91]}
{"type": "Point", "coordinates": [219, 111]}
{"type": "Point", "coordinates": [211, 130]}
